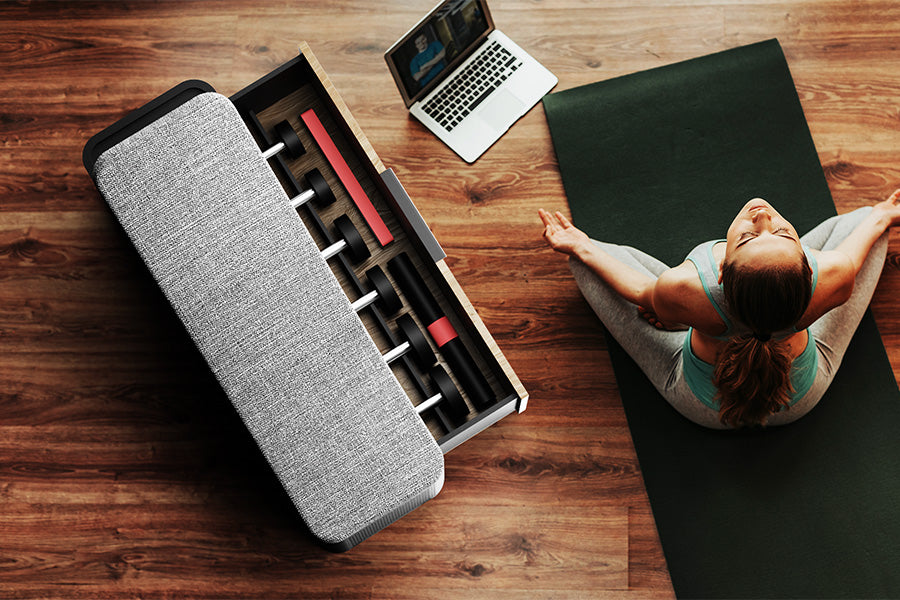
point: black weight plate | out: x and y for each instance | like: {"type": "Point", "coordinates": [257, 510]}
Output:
{"type": "Point", "coordinates": [356, 246]}
{"type": "Point", "coordinates": [453, 402]}
{"type": "Point", "coordinates": [388, 299]}
{"type": "Point", "coordinates": [321, 188]}
{"type": "Point", "coordinates": [421, 351]}
{"type": "Point", "coordinates": [289, 137]}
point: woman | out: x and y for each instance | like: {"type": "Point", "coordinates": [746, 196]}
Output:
{"type": "Point", "coordinates": [768, 314]}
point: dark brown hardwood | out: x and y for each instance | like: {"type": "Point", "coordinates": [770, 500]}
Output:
{"type": "Point", "coordinates": [123, 470]}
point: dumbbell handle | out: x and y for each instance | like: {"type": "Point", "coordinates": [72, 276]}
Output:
{"type": "Point", "coordinates": [267, 154]}
{"type": "Point", "coordinates": [333, 249]}
{"type": "Point", "coordinates": [364, 301]}
{"type": "Point", "coordinates": [425, 405]}
{"type": "Point", "coordinates": [302, 198]}
{"type": "Point", "coordinates": [392, 355]}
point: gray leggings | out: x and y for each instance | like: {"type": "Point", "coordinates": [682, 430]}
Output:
{"type": "Point", "coordinates": [659, 353]}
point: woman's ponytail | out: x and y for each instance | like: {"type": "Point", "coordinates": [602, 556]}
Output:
{"type": "Point", "coordinates": [753, 378]}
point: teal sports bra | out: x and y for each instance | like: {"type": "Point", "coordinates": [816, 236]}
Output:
{"type": "Point", "coordinates": [698, 374]}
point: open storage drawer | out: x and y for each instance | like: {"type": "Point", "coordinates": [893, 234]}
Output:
{"type": "Point", "coordinates": [301, 85]}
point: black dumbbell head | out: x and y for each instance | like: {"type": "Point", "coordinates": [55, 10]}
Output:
{"type": "Point", "coordinates": [388, 299]}
{"type": "Point", "coordinates": [356, 246]}
{"type": "Point", "coordinates": [320, 187]}
{"type": "Point", "coordinates": [289, 138]}
{"type": "Point", "coordinates": [411, 333]}
{"type": "Point", "coordinates": [452, 403]}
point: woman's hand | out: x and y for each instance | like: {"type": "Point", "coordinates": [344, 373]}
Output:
{"type": "Point", "coordinates": [561, 235]}
{"type": "Point", "coordinates": [890, 208]}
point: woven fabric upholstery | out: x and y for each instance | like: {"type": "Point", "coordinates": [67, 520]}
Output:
{"type": "Point", "coordinates": [212, 223]}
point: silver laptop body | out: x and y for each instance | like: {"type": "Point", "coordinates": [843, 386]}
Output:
{"type": "Point", "coordinates": [463, 79]}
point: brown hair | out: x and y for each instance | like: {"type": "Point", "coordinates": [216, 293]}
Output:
{"type": "Point", "coordinates": [753, 371]}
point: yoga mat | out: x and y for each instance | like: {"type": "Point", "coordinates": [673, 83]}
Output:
{"type": "Point", "coordinates": [662, 160]}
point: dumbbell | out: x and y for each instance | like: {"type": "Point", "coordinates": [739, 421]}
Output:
{"type": "Point", "coordinates": [289, 140]}
{"type": "Point", "coordinates": [441, 330]}
{"type": "Point", "coordinates": [318, 188]}
{"type": "Point", "coordinates": [350, 240]}
{"type": "Point", "coordinates": [382, 292]}
{"type": "Point", "coordinates": [415, 343]}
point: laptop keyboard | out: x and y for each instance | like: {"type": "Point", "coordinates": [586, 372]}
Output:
{"type": "Point", "coordinates": [471, 86]}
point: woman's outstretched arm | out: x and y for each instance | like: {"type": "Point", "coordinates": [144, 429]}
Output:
{"type": "Point", "coordinates": [884, 215]}
{"type": "Point", "coordinates": [673, 300]}
{"type": "Point", "coordinates": [838, 267]}
{"type": "Point", "coordinates": [562, 236]}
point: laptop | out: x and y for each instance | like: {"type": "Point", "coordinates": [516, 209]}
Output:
{"type": "Point", "coordinates": [463, 79]}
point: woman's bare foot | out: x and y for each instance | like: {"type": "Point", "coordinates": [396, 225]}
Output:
{"type": "Point", "coordinates": [650, 316]}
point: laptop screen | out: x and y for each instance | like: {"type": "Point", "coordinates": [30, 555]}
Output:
{"type": "Point", "coordinates": [440, 41]}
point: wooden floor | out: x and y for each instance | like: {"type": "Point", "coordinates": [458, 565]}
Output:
{"type": "Point", "coordinates": [123, 473]}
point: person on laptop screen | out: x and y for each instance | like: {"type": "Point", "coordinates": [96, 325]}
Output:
{"type": "Point", "coordinates": [444, 34]}
{"type": "Point", "coordinates": [425, 65]}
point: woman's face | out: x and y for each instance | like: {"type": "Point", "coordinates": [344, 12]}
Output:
{"type": "Point", "coordinates": [760, 235]}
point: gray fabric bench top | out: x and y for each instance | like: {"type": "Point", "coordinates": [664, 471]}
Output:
{"type": "Point", "coordinates": [212, 223]}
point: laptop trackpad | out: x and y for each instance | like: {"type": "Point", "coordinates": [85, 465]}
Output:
{"type": "Point", "coordinates": [501, 110]}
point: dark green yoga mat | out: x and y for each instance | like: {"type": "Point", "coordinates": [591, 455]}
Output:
{"type": "Point", "coordinates": [662, 160]}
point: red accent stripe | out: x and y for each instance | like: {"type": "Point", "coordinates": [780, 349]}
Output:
{"type": "Point", "coordinates": [442, 331]}
{"type": "Point", "coordinates": [346, 176]}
